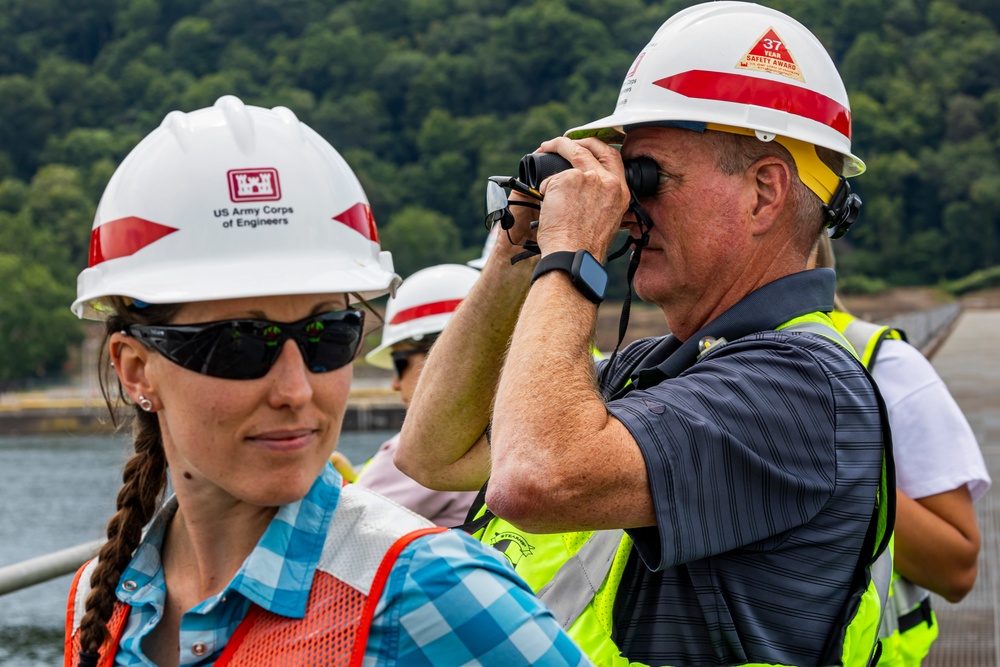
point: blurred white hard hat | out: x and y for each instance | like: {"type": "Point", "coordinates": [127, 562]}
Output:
{"type": "Point", "coordinates": [422, 306]}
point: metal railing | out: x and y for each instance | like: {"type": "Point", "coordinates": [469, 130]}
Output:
{"type": "Point", "coordinates": [923, 327]}
{"type": "Point", "coordinates": [43, 568]}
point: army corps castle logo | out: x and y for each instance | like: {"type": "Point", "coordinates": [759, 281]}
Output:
{"type": "Point", "coordinates": [254, 185]}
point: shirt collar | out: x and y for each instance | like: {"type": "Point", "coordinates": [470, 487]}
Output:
{"type": "Point", "coordinates": [278, 573]}
{"type": "Point", "coordinates": [764, 309]}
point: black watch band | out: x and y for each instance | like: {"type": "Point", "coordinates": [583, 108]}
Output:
{"type": "Point", "coordinates": [585, 272]}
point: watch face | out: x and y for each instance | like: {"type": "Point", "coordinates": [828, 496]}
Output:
{"type": "Point", "coordinates": [593, 274]}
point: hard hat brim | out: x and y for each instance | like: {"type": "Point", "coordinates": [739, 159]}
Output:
{"type": "Point", "coordinates": [611, 130]}
{"type": "Point", "coordinates": [233, 279]}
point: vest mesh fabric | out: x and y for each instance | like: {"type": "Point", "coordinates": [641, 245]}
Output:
{"type": "Point", "coordinates": [324, 637]}
{"type": "Point", "coordinates": [116, 625]}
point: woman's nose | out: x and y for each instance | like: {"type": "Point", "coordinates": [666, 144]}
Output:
{"type": "Point", "coordinates": [290, 384]}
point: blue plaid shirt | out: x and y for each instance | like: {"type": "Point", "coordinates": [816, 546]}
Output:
{"type": "Point", "coordinates": [448, 600]}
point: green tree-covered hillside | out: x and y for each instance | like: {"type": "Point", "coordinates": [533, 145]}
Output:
{"type": "Point", "coordinates": [425, 98]}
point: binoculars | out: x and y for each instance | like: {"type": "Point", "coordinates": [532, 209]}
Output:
{"type": "Point", "coordinates": [640, 173]}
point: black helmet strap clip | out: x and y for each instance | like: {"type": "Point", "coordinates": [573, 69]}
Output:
{"type": "Point", "coordinates": [842, 211]}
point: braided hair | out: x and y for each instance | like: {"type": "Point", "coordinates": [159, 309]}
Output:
{"type": "Point", "coordinates": [143, 483]}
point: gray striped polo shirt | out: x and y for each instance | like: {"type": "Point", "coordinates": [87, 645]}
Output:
{"type": "Point", "coordinates": [764, 460]}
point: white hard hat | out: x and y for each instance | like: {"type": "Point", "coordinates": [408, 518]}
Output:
{"type": "Point", "coordinates": [422, 306]}
{"type": "Point", "coordinates": [735, 65]}
{"type": "Point", "coordinates": [491, 240]}
{"type": "Point", "coordinates": [232, 201]}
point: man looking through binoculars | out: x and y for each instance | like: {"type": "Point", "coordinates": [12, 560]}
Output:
{"type": "Point", "coordinates": [743, 453]}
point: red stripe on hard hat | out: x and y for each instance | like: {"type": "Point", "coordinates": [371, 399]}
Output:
{"type": "Point", "coordinates": [359, 218]}
{"type": "Point", "coordinates": [743, 89]}
{"type": "Point", "coordinates": [426, 310]}
{"type": "Point", "coordinates": [124, 237]}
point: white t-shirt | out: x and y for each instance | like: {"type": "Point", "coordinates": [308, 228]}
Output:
{"type": "Point", "coordinates": [933, 444]}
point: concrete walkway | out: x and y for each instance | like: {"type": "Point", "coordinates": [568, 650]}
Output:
{"type": "Point", "coordinates": [969, 363]}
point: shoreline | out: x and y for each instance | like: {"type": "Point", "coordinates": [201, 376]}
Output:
{"type": "Point", "coordinates": [368, 409]}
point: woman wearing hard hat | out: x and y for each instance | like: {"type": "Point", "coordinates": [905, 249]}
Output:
{"type": "Point", "coordinates": [225, 256]}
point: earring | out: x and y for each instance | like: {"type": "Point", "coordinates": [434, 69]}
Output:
{"type": "Point", "coordinates": [145, 403]}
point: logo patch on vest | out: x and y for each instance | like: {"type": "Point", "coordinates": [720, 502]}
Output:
{"type": "Point", "coordinates": [513, 546]}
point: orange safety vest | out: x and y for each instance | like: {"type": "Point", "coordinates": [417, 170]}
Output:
{"type": "Point", "coordinates": [345, 591]}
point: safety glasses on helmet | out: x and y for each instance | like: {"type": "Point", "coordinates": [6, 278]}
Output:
{"type": "Point", "coordinates": [245, 349]}
{"type": "Point", "coordinates": [498, 205]}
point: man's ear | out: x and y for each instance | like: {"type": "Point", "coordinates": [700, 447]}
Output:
{"type": "Point", "coordinates": [130, 358]}
{"type": "Point", "coordinates": [772, 182]}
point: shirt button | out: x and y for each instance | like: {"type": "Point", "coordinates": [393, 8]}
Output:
{"type": "Point", "coordinates": [129, 585]}
{"type": "Point", "coordinates": [199, 648]}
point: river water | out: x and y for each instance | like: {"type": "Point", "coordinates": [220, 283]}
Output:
{"type": "Point", "coordinates": [57, 492]}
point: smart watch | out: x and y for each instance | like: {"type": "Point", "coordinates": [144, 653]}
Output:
{"type": "Point", "coordinates": [585, 272]}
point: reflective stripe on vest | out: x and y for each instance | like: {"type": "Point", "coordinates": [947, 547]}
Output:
{"type": "Point", "coordinates": [908, 633]}
{"type": "Point", "coordinates": [551, 561]}
{"type": "Point", "coordinates": [811, 323]}
{"type": "Point", "coordinates": [365, 536]}
{"type": "Point", "coordinates": [866, 337]}
{"type": "Point", "coordinates": [905, 598]}
{"type": "Point", "coordinates": [576, 583]}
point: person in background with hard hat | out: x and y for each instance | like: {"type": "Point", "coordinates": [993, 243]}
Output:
{"type": "Point", "coordinates": [940, 473]}
{"type": "Point", "coordinates": [745, 454]}
{"type": "Point", "coordinates": [414, 317]}
{"type": "Point", "coordinates": [226, 253]}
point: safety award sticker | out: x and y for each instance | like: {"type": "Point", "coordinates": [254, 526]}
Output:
{"type": "Point", "coordinates": [769, 54]}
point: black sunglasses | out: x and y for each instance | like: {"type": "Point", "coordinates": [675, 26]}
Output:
{"type": "Point", "coordinates": [401, 359]}
{"type": "Point", "coordinates": [246, 349]}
